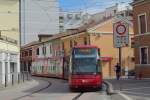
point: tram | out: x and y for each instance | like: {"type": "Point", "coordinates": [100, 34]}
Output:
{"type": "Point", "coordinates": [85, 68]}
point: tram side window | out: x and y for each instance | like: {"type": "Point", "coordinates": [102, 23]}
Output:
{"type": "Point", "coordinates": [99, 66]}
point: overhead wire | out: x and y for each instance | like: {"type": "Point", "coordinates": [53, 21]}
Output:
{"type": "Point", "coordinates": [95, 4]}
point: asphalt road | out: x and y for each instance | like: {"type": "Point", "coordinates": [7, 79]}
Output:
{"type": "Point", "coordinates": [52, 89]}
{"type": "Point", "coordinates": [133, 89]}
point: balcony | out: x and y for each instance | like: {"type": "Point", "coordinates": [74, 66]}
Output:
{"type": "Point", "coordinates": [7, 39]}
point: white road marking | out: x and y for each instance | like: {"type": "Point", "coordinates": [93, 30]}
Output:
{"type": "Point", "coordinates": [135, 88]}
{"type": "Point", "coordinates": [125, 96]}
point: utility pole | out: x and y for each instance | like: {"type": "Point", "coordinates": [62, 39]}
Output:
{"type": "Point", "coordinates": [120, 56]}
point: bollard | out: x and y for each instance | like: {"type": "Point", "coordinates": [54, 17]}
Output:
{"type": "Point", "coordinates": [12, 79]}
{"type": "Point", "coordinates": [18, 79]}
{"type": "Point", "coordinates": [5, 80]}
{"type": "Point", "coordinates": [23, 76]}
{"type": "Point", "coordinates": [27, 76]}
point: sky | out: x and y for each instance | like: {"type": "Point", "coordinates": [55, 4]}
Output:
{"type": "Point", "coordinates": [90, 5]}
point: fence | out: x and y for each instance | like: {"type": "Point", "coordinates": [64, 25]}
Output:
{"type": "Point", "coordinates": [11, 79]}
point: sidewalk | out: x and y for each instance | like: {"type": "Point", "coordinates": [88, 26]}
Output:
{"type": "Point", "coordinates": [14, 85]}
{"type": "Point", "coordinates": [13, 82]}
{"type": "Point", "coordinates": [26, 88]}
{"type": "Point", "coordinates": [130, 88]}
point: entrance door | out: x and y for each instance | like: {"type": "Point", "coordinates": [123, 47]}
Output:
{"type": "Point", "coordinates": [13, 70]}
{"type": "Point", "coordinates": [105, 69]}
{"type": "Point", "coordinates": [66, 70]}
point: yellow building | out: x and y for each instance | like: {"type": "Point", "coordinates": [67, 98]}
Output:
{"type": "Point", "coordinates": [9, 40]}
{"type": "Point", "coordinates": [101, 35]}
{"type": "Point", "coordinates": [73, 40]}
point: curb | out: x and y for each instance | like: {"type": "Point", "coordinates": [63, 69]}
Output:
{"type": "Point", "coordinates": [110, 89]}
{"type": "Point", "coordinates": [15, 85]}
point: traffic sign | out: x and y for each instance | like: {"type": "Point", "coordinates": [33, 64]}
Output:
{"type": "Point", "coordinates": [120, 34]}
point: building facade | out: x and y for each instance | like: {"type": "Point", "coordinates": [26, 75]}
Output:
{"type": "Point", "coordinates": [26, 56]}
{"type": "Point", "coordinates": [101, 35]}
{"type": "Point", "coordinates": [141, 45]}
{"type": "Point", "coordinates": [44, 58]}
{"type": "Point", "coordinates": [47, 59]}
{"type": "Point", "coordinates": [38, 17]}
{"type": "Point", "coordinates": [9, 41]}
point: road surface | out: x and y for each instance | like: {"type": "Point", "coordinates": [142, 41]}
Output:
{"type": "Point", "coordinates": [51, 89]}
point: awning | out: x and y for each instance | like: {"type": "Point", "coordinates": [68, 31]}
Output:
{"type": "Point", "coordinates": [106, 58]}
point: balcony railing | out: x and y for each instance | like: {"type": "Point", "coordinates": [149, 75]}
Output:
{"type": "Point", "coordinates": [7, 39]}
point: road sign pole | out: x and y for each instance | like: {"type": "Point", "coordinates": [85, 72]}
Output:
{"type": "Point", "coordinates": [120, 57]}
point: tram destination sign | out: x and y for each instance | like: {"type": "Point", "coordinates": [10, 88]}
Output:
{"type": "Point", "coordinates": [120, 34]}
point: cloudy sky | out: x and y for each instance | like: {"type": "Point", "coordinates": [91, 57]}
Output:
{"type": "Point", "coordinates": [90, 5]}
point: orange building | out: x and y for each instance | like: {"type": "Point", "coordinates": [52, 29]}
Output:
{"type": "Point", "coordinates": [101, 35]}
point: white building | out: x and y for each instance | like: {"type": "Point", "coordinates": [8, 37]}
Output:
{"type": "Point", "coordinates": [72, 20]}
{"type": "Point", "coordinates": [9, 41]}
{"type": "Point", "coordinates": [9, 63]}
{"type": "Point", "coordinates": [38, 17]}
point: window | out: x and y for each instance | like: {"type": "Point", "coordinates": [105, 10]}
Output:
{"type": "Point", "coordinates": [85, 41]}
{"type": "Point", "coordinates": [61, 28]}
{"type": "Point", "coordinates": [144, 55]}
{"type": "Point", "coordinates": [75, 43]}
{"type": "Point", "coordinates": [37, 51]}
{"type": "Point", "coordinates": [30, 52]}
{"type": "Point", "coordinates": [26, 53]}
{"type": "Point", "coordinates": [71, 44]}
{"type": "Point", "coordinates": [61, 19]}
{"type": "Point", "coordinates": [55, 53]}
{"type": "Point", "coordinates": [115, 11]}
{"type": "Point", "coordinates": [78, 16]}
{"type": "Point", "coordinates": [70, 16]}
{"type": "Point", "coordinates": [22, 54]}
{"type": "Point", "coordinates": [50, 49]}
{"type": "Point", "coordinates": [122, 14]}
{"type": "Point", "coordinates": [142, 24]}
{"type": "Point", "coordinates": [44, 50]}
